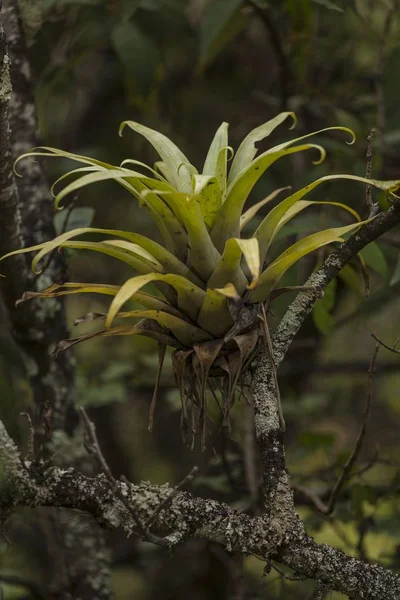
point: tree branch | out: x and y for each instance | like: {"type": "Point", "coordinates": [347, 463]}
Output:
{"type": "Point", "coordinates": [184, 515]}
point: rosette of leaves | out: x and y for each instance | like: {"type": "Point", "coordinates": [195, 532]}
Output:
{"type": "Point", "coordinates": [213, 289]}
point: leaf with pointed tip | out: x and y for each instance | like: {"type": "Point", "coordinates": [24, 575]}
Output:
{"type": "Point", "coordinates": [117, 173]}
{"type": "Point", "coordinates": [55, 152]}
{"type": "Point", "coordinates": [131, 256]}
{"type": "Point", "coordinates": [190, 297]}
{"type": "Point", "coordinates": [168, 261]}
{"type": "Point", "coordinates": [186, 333]}
{"type": "Point", "coordinates": [229, 291]}
{"type": "Point", "coordinates": [132, 181]}
{"type": "Point", "coordinates": [270, 277]}
{"type": "Point", "coordinates": [302, 204]}
{"type": "Point", "coordinates": [276, 218]}
{"type": "Point", "coordinates": [140, 328]}
{"type": "Point", "coordinates": [215, 164]}
{"type": "Point", "coordinates": [202, 256]}
{"type": "Point", "coordinates": [248, 149]}
{"type": "Point", "coordinates": [227, 224]}
{"type": "Point", "coordinates": [253, 210]}
{"type": "Point", "coordinates": [70, 288]}
{"type": "Point", "coordinates": [178, 169]}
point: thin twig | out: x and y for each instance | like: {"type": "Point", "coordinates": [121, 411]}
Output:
{"type": "Point", "coordinates": [93, 447]}
{"type": "Point", "coordinates": [391, 348]}
{"type": "Point", "coordinates": [360, 439]}
{"type": "Point", "coordinates": [329, 507]}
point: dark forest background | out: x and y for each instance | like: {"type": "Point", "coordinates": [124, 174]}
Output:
{"type": "Point", "coordinates": [183, 67]}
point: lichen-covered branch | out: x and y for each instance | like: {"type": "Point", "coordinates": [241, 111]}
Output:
{"type": "Point", "coordinates": [183, 516]}
{"type": "Point", "coordinates": [278, 495]}
{"type": "Point", "coordinates": [26, 218]}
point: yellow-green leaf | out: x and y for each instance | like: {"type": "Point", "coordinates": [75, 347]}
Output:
{"type": "Point", "coordinates": [208, 193]}
{"type": "Point", "coordinates": [271, 276]}
{"type": "Point", "coordinates": [268, 228]}
{"type": "Point", "coordinates": [227, 224]}
{"type": "Point", "coordinates": [190, 297]}
{"type": "Point", "coordinates": [248, 149]}
{"type": "Point", "coordinates": [253, 210]}
{"type": "Point", "coordinates": [215, 164]}
{"type": "Point", "coordinates": [214, 315]}
{"type": "Point", "coordinates": [178, 169]}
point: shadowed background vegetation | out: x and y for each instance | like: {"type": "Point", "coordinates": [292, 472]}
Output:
{"type": "Point", "coordinates": [183, 67]}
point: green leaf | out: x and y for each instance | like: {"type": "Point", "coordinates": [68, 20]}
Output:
{"type": "Point", "coordinates": [208, 193]}
{"type": "Point", "coordinates": [131, 254]}
{"type": "Point", "coordinates": [328, 4]}
{"type": "Point", "coordinates": [215, 164]}
{"type": "Point", "coordinates": [55, 152]}
{"type": "Point", "coordinates": [168, 261]}
{"type": "Point", "coordinates": [202, 254]}
{"type": "Point", "coordinates": [228, 269]}
{"type": "Point", "coordinates": [116, 173]}
{"type": "Point", "coordinates": [227, 224]}
{"type": "Point", "coordinates": [71, 288]}
{"type": "Point", "coordinates": [190, 297]}
{"type": "Point", "coordinates": [222, 21]}
{"type": "Point", "coordinates": [186, 333]}
{"type": "Point", "coordinates": [140, 328]}
{"type": "Point", "coordinates": [352, 279]}
{"type": "Point", "coordinates": [228, 221]}
{"type": "Point", "coordinates": [270, 277]}
{"type": "Point", "coordinates": [287, 208]}
{"type": "Point", "coordinates": [171, 230]}
{"type": "Point", "coordinates": [214, 315]}
{"type": "Point", "coordinates": [137, 53]}
{"type": "Point", "coordinates": [375, 258]}
{"type": "Point", "coordinates": [248, 149]}
{"type": "Point", "coordinates": [177, 166]}
{"type": "Point", "coordinates": [253, 210]}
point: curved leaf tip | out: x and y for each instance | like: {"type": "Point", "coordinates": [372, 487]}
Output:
{"type": "Point", "coordinates": [121, 128]}
{"type": "Point", "coordinates": [294, 117]}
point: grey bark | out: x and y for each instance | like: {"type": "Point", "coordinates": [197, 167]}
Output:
{"type": "Point", "coordinates": [26, 218]}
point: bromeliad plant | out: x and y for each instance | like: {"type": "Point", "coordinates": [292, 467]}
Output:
{"type": "Point", "coordinates": [213, 288]}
